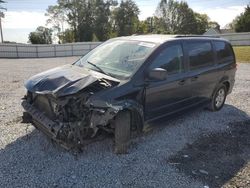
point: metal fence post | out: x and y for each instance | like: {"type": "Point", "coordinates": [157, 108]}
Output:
{"type": "Point", "coordinates": [90, 47]}
{"type": "Point", "coordinates": [37, 51]}
{"type": "Point", "coordinates": [17, 54]}
{"type": "Point", "coordinates": [72, 52]}
{"type": "Point", "coordinates": [54, 50]}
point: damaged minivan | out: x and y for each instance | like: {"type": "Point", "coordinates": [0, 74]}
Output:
{"type": "Point", "coordinates": [126, 83]}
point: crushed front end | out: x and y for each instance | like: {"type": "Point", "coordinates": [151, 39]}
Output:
{"type": "Point", "coordinates": [70, 119]}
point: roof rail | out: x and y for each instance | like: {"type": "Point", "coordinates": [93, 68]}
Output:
{"type": "Point", "coordinates": [201, 36]}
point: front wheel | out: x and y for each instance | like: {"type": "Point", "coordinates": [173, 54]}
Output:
{"type": "Point", "coordinates": [122, 132]}
{"type": "Point", "coordinates": [218, 98]}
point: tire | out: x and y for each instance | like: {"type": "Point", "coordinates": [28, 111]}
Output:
{"type": "Point", "coordinates": [122, 132]}
{"type": "Point", "coordinates": [218, 98]}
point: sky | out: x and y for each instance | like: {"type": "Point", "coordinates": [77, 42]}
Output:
{"type": "Point", "coordinates": [23, 16]}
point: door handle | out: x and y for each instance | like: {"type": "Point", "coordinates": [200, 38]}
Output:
{"type": "Point", "coordinates": [182, 82]}
{"type": "Point", "coordinates": [194, 78]}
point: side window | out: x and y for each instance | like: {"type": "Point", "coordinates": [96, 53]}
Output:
{"type": "Point", "coordinates": [171, 59]}
{"type": "Point", "coordinates": [200, 54]}
{"type": "Point", "coordinates": [223, 51]}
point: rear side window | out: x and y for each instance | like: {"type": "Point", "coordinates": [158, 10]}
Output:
{"type": "Point", "coordinates": [170, 58]}
{"type": "Point", "coordinates": [223, 51]}
{"type": "Point", "coordinates": [200, 54]}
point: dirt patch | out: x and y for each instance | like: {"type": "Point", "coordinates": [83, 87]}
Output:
{"type": "Point", "coordinates": [216, 158]}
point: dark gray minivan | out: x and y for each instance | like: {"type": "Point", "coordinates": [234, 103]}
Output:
{"type": "Point", "coordinates": [126, 82]}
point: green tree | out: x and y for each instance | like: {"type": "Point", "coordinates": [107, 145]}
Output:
{"type": "Point", "coordinates": [56, 18]}
{"type": "Point", "coordinates": [77, 13]}
{"type": "Point", "coordinates": [142, 27]}
{"type": "Point", "coordinates": [125, 18]}
{"type": "Point", "coordinates": [67, 36]}
{"type": "Point", "coordinates": [72, 9]}
{"type": "Point", "coordinates": [231, 25]}
{"type": "Point", "coordinates": [156, 25]}
{"type": "Point", "coordinates": [213, 24]}
{"type": "Point", "coordinates": [86, 18]}
{"type": "Point", "coordinates": [101, 21]}
{"type": "Point", "coordinates": [242, 23]}
{"type": "Point", "coordinates": [42, 35]}
{"type": "Point", "coordinates": [177, 18]}
{"type": "Point", "coordinates": [202, 23]}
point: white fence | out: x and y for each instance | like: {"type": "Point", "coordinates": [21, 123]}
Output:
{"type": "Point", "coordinates": [81, 48]}
{"type": "Point", "coordinates": [236, 39]}
{"type": "Point", "coordinates": [53, 50]}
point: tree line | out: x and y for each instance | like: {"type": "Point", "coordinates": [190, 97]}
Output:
{"type": "Point", "coordinates": [98, 20]}
{"type": "Point", "coordinates": [242, 22]}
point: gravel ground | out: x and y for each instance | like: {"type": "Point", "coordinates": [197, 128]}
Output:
{"type": "Point", "coordinates": [197, 149]}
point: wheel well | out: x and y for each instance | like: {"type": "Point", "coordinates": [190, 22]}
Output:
{"type": "Point", "coordinates": [136, 119]}
{"type": "Point", "coordinates": [227, 84]}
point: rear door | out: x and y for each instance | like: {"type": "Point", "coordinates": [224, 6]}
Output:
{"type": "Point", "coordinates": [202, 68]}
{"type": "Point", "coordinates": [170, 95]}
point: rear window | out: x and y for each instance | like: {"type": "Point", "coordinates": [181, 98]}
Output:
{"type": "Point", "coordinates": [200, 54]}
{"type": "Point", "coordinates": [223, 51]}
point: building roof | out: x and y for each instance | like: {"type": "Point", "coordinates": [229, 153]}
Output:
{"type": "Point", "coordinates": [212, 31]}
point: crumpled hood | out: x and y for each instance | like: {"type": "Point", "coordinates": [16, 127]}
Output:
{"type": "Point", "coordinates": [62, 81]}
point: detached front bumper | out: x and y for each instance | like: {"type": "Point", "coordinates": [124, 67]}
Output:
{"type": "Point", "coordinates": [41, 122]}
{"type": "Point", "coordinates": [52, 129]}
{"type": "Point", "coordinates": [73, 134]}
{"type": "Point", "coordinates": [70, 135]}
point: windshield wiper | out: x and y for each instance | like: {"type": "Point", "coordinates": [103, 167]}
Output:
{"type": "Point", "coordinates": [99, 68]}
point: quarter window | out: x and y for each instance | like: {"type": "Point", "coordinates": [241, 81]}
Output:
{"type": "Point", "coordinates": [171, 59]}
{"type": "Point", "coordinates": [200, 54]}
{"type": "Point", "coordinates": [223, 51]}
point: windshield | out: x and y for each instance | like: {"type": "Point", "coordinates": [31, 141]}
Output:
{"type": "Point", "coordinates": [117, 58]}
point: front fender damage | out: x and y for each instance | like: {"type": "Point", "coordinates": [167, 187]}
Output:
{"type": "Point", "coordinates": [106, 111]}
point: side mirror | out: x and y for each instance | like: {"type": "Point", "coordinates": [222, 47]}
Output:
{"type": "Point", "coordinates": [157, 74]}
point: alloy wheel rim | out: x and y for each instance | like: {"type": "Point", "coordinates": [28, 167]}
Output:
{"type": "Point", "coordinates": [220, 98]}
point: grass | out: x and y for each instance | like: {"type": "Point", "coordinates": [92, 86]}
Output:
{"type": "Point", "coordinates": [242, 53]}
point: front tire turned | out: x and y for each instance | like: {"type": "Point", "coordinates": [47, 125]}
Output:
{"type": "Point", "coordinates": [122, 132]}
{"type": "Point", "coordinates": [218, 98]}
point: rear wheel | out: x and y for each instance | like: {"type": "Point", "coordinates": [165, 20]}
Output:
{"type": "Point", "coordinates": [122, 132]}
{"type": "Point", "coordinates": [218, 98]}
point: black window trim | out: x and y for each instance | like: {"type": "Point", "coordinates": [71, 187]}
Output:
{"type": "Point", "coordinates": [163, 47]}
{"type": "Point", "coordinates": [224, 60]}
{"type": "Point", "coordinates": [187, 54]}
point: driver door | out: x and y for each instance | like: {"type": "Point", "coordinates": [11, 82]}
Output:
{"type": "Point", "coordinates": [167, 96]}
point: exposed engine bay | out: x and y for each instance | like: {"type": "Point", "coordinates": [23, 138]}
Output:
{"type": "Point", "coordinates": [70, 104]}
{"type": "Point", "coordinates": [70, 119]}
{"type": "Point", "coordinates": [59, 102]}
